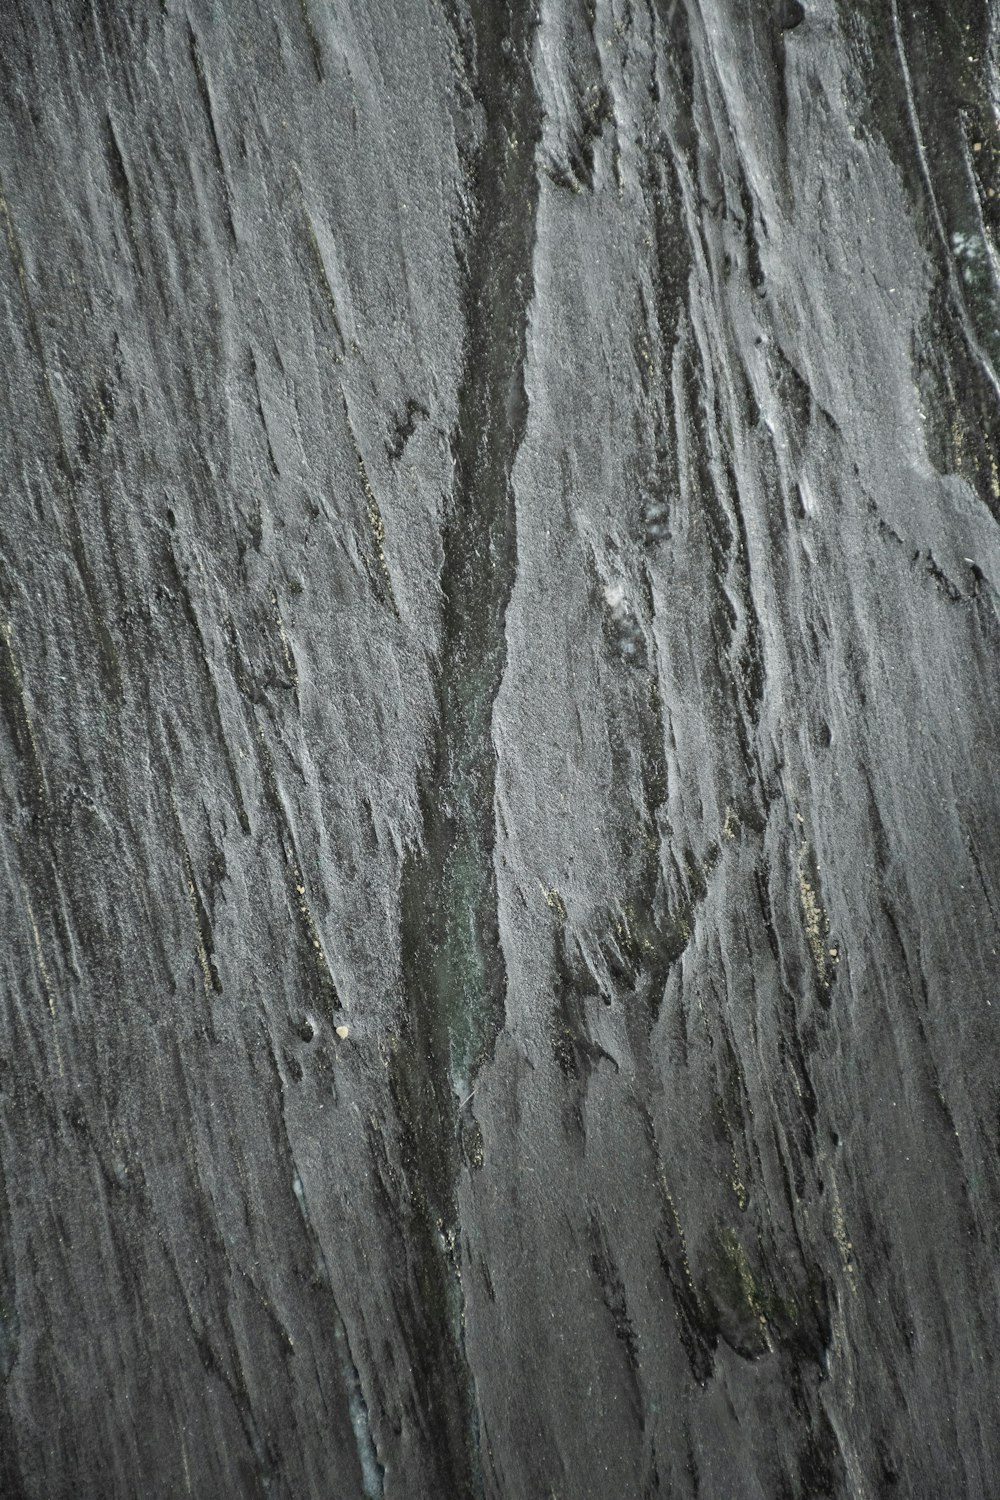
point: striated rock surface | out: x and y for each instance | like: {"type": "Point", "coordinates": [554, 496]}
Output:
{"type": "Point", "coordinates": [499, 686]}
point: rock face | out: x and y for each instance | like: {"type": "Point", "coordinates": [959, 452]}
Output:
{"type": "Point", "coordinates": [499, 670]}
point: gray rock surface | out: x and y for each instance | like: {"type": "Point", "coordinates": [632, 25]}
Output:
{"type": "Point", "coordinates": [499, 679]}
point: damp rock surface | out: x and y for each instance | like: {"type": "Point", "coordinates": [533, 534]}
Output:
{"type": "Point", "coordinates": [499, 687]}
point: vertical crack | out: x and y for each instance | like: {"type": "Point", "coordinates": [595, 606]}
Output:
{"type": "Point", "coordinates": [455, 976]}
